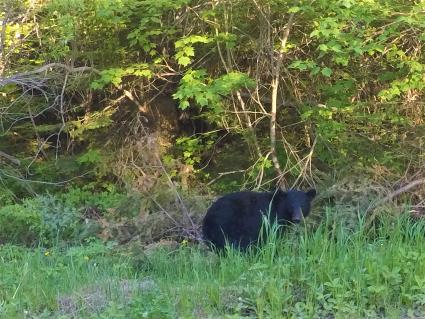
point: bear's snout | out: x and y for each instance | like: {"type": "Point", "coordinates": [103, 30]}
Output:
{"type": "Point", "coordinates": [297, 215]}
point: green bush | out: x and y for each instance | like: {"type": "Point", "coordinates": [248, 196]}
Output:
{"type": "Point", "coordinates": [20, 224]}
{"type": "Point", "coordinates": [61, 222]}
{"type": "Point", "coordinates": [80, 198]}
{"type": "Point", "coordinates": [40, 220]}
{"type": "Point", "coordinates": [51, 219]}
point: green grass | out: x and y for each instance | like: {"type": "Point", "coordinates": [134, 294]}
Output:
{"type": "Point", "coordinates": [330, 272]}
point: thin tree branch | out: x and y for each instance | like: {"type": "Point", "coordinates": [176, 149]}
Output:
{"type": "Point", "coordinates": [42, 182]}
{"type": "Point", "coordinates": [275, 87]}
{"type": "Point", "coordinates": [2, 42]}
{"type": "Point", "coordinates": [220, 175]}
{"type": "Point", "coordinates": [62, 113]}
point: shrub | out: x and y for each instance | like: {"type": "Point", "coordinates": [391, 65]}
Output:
{"type": "Point", "coordinates": [20, 224]}
{"type": "Point", "coordinates": [50, 219]}
{"type": "Point", "coordinates": [81, 198]}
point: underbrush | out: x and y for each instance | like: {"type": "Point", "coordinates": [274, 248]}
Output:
{"type": "Point", "coordinates": [51, 219]}
{"type": "Point", "coordinates": [331, 272]}
{"type": "Point", "coordinates": [78, 215]}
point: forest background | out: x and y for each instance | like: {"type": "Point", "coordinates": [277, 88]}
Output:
{"type": "Point", "coordinates": [132, 115]}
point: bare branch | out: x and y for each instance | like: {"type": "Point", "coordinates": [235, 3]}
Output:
{"type": "Point", "coordinates": [67, 68]}
{"type": "Point", "coordinates": [60, 183]}
{"type": "Point", "coordinates": [11, 158]}
{"type": "Point", "coordinates": [62, 113]}
{"type": "Point", "coordinates": [390, 196]}
{"type": "Point", "coordinates": [249, 124]}
{"type": "Point", "coordinates": [275, 87]}
{"type": "Point", "coordinates": [2, 41]}
{"type": "Point", "coordinates": [25, 76]}
{"type": "Point", "coordinates": [220, 175]}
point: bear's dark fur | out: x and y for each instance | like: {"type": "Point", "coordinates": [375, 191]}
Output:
{"type": "Point", "coordinates": [238, 217]}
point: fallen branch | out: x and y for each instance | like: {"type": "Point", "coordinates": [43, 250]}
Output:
{"type": "Point", "coordinates": [390, 196]}
{"type": "Point", "coordinates": [11, 158]}
{"type": "Point", "coordinates": [18, 77]}
{"type": "Point", "coordinates": [67, 68]}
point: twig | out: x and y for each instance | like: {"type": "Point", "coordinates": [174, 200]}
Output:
{"type": "Point", "coordinates": [267, 100]}
{"type": "Point", "coordinates": [305, 168]}
{"type": "Point", "coordinates": [220, 175]}
{"type": "Point", "coordinates": [179, 199]}
{"type": "Point", "coordinates": [39, 140]}
{"type": "Point", "coordinates": [178, 226]}
{"type": "Point", "coordinates": [249, 124]}
{"type": "Point", "coordinates": [42, 182]}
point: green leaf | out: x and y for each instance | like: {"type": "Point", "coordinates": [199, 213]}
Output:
{"type": "Point", "coordinates": [315, 33]}
{"type": "Point", "coordinates": [326, 72]}
{"type": "Point", "coordinates": [184, 61]}
{"type": "Point", "coordinates": [315, 70]}
{"type": "Point", "coordinates": [184, 104]}
{"type": "Point", "coordinates": [341, 60]}
{"type": "Point", "coordinates": [294, 9]}
{"type": "Point", "coordinates": [189, 51]}
{"type": "Point", "coordinates": [202, 100]}
{"type": "Point", "coordinates": [323, 47]}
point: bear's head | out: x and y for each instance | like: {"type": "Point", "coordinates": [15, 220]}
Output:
{"type": "Point", "coordinates": [294, 204]}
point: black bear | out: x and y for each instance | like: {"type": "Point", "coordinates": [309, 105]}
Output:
{"type": "Point", "coordinates": [237, 217]}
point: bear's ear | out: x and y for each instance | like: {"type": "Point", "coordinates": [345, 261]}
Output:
{"type": "Point", "coordinates": [311, 193]}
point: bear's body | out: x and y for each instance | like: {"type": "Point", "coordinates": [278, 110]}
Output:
{"type": "Point", "coordinates": [238, 217]}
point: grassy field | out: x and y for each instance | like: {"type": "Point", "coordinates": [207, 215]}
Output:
{"type": "Point", "coordinates": [329, 272]}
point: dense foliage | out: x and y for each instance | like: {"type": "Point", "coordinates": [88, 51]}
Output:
{"type": "Point", "coordinates": [336, 83]}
